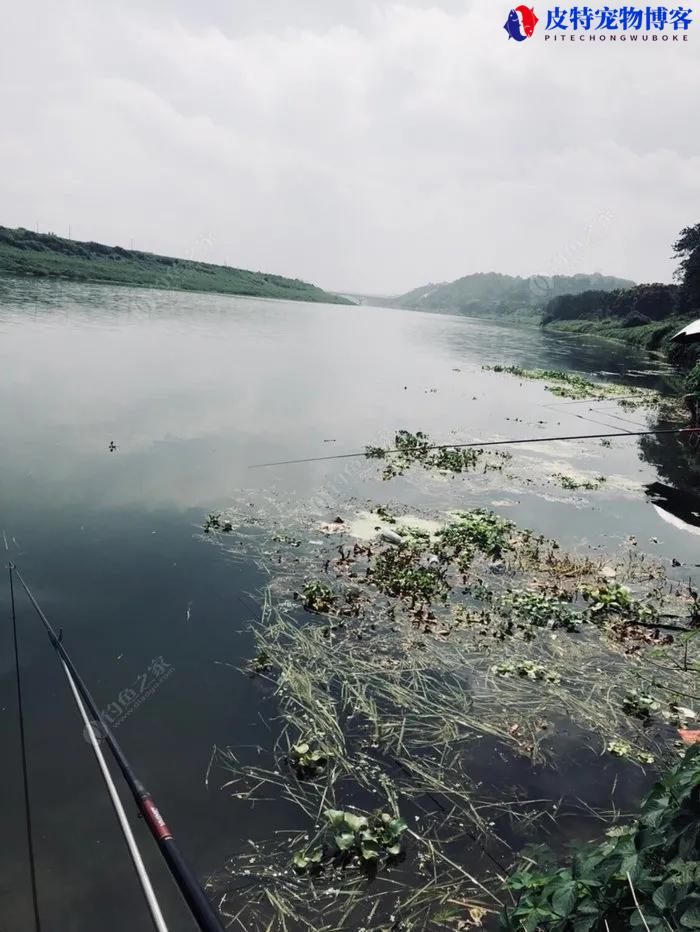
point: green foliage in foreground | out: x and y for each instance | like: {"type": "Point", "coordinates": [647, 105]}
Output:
{"type": "Point", "coordinates": [25, 253]}
{"type": "Point", "coordinates": [645, 875]}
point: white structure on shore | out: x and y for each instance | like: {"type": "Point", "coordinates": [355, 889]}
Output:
{"type": "Point", "coordinates": [689, 334]}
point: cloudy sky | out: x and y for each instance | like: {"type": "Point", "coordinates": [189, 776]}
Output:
{"type": "Point", "coordinates": [365, 146]}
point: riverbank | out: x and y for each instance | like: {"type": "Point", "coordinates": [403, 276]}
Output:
{"type": "Point", "coordinates": [24, 253]}
{"type": "Point", "coordinates": [654, 337]}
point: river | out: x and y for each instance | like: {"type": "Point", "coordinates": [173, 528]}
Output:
{"type": "Point", "coordinates": [190, 390]}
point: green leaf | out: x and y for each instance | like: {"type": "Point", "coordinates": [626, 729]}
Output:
{"type": "Point", "coordinates": [630, 865]}
{"type": "Point", "coordinates": [394, 850]}
{"type": "Point", "coordinates": [335, 817]}
{"type": "Point", "coordinates": [398, 826]}
{"type": "Point", "coordinates": [587, 907]}
{"type": "Point", "coordinates": [584, 923]}
{"type": "Point", "coordinates": [369, 852]}
{"type": "Point", "coordinates": [300, 860]}
{"type": "Point", "coordinates": [691, 918]}
{"type": "Point", "coordinates": [300, 749]}
{"type": "Point", "coordinates": [355, 823]}
{"type": "Point", "coordinates": [564, 898]}
{"type": "Point", "coordinates": [664, 897]}
{"type": "Point", "coordinates": [345, 841]}
{"type": "Point", "coordinates": [316, 855]}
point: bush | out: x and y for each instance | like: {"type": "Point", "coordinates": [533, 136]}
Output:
{"type": "Point", "coordinates": [635, 320]}
{"type": "Point", "coordinates": [645, 875]}
{"type": "Point", "coordinates": [692, 382]}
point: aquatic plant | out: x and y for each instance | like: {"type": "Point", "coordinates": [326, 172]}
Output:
{"type": "Point", "coordinates": [540, 609]}
{"type": "Point", "coordinates": [614, 599]}
{"type": "Point", "coordinates": [639, 704]}
{"type": "Point", "coordinates": [411, 449]}
{"type": "Point", "coordinates": [529, 669]}
{"type": "Point", "coordinates": [570, 482]}
{"type": "Point", "coordinates": [261, 663]}
{"type": "Point", "coordinates": [621, 748]}
{"type": "Point", "coordinates": [398, 571]}
{"type": "Point", "coordinates": [214, 522]}
{"type": "Point", "coordinates": [472, 531]}
{"type": "Point", "coordinates": [318, 597]}
{"type": "Point", "coordinates": [577, 387]}
{"type": "Point", "coordinates": [355, 839]}
{"type": "Point", "coordinates": [644, 875]}
{"type": "Point", "coordinates": [307, 760]}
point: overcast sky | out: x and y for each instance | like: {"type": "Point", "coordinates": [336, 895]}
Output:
{"type": "Point", "coordinates": [364, 146]}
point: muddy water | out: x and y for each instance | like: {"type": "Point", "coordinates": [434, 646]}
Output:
{"type": "Point", "coordinates": [191, 390]}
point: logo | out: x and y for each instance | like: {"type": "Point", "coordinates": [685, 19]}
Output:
{"type": "Point", "coordinates": [521, 23]}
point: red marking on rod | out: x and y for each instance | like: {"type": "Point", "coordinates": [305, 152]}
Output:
{"type": "Point", "coordinates": [155, 820]}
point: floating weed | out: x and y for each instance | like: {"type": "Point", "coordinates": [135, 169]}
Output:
{"type": "Point", "coordinates": [307, 760]}
{"type": "Point", "coordinates": [473, 531]}
{"type": "Point", "coordinates": [318, 597]}
{"type": "Point", "coordinates": [385, 514]}
{"type": "Point", "coordinates": [529, 669]}
{"type": "Point", "coordinates": [355, 840]}
{"type": "Point", "coordinates": [540, 609]}
{"type": "Point", "coordinates": [261, 663]}
{"type": "Point", "coordinates": [286, 539]}
{"type": "Point", "coordinates": [617, 600]}
{"type": "Point", "coordinates": [624, 749]}
{"type": "Point", "coordinates": [639, 704]}
{"type": "Point", "coordinates": [415, 538]}
{"type": "Point", "coordinates": [411, 449]}
{"type": "Point", "coordinates": [578, 387]}
{"type": "Point", "coordinates": [214, 522]}
{"type": "Point", "coordinates": [572, 483]}
{"type": "Point", "coordinates": [409, 706]}
{"type": "Point", "coordinates": [398, 572]}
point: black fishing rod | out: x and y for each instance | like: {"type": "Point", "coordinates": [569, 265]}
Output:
{"type": "Point", "coordinates": [200, 907]}
{"type": "Point", "coordinates": [489, 443]}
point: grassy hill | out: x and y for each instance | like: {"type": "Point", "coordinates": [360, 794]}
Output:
{"type": "Point", "coordinates": [494, 295]}
{"type": "Point", "coordinates": [25, 253]}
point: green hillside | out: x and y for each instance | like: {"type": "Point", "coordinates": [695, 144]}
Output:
{"type": "Point", "coordinates": [491, 294]}
{"type": "Point", "coordinates": [25, 253]}
{"type": "Point", "coordinates": [647, 316]}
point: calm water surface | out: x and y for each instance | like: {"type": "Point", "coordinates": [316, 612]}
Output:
{"type": "Point", "coordinates": [192, 389]}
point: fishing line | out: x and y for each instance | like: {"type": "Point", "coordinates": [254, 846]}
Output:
{"type": "Point", "coordinates": [200, 907]}
{"type": "Point", "coordinates": [489, 443]}
{"type": "Point", "coordinates": [593, 420]}
{"type": "Point", "coordinates": [25, 779]}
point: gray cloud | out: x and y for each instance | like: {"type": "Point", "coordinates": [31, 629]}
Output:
{"type": "Point", "coordinates": [360, 145]}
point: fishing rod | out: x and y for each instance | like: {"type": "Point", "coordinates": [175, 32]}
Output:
{"type": "Point", "coordinates": [200, 907]}
{"type": "Point", "coordinates": [489, 443]}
